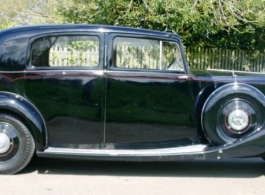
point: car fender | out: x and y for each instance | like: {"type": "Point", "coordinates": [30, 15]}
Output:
{"type": "Point", "coordinates": [199, 103]}
{"type": "Point", "coordinates": [234, 88]}
{"type": "Point", "coordinates": [28, 113]}
{"type": "Point", "coordinates": [220, 96]}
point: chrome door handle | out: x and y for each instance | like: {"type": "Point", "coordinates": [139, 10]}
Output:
{"type": "Point", "coordinates": [183, 77]}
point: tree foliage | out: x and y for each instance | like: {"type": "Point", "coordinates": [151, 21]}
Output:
{"type": "Point", "coordinates": [234, 24]}
{"type": "Point", "coordinates": [218, 23]}
{"type": "Point", "coordinates": [24, 12]}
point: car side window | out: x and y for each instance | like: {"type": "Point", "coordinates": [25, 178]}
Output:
{"type": "Point", "coordinates": [139, 53]}
{"type": "Point", "coordinates": [65, 51]}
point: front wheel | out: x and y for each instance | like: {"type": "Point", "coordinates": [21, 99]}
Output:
{"type": "Point", "coordinates": [16, 145]}
{"type": "Point", "coordinates": [228, 118]}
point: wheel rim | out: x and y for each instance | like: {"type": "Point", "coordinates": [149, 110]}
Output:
{"type": "Point", "coordinates": [9, 141]}
{"type": "Point", "coordinates": [5, 143]}
{"type": "Point", "coordinates": [238, 120]}
{"type": "Point", "coordinates": [235, 119]}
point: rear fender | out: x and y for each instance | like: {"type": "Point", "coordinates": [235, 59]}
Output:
{"type": "Point", "coordinates": [28, 113]}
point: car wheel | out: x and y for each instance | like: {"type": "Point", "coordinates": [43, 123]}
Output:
{"type": "Point", "coordinates": [231, 117]}
{"type": "Point", "coordinates": [16, 145]}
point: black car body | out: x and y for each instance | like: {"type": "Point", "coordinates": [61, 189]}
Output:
{"type": "Point", "coordinates": [108, 92]}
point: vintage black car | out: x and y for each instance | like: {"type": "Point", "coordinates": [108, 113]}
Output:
{"type": "Point", "coordinates": [115, 93]}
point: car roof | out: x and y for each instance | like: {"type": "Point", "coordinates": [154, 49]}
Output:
{"type": "Point", "coordinates": [39, 29]}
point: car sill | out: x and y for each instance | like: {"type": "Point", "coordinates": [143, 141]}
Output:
{"type": "Point", "coordinates": [195, 149]}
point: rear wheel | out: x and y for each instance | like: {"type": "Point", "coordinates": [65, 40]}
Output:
{"type": "Point", "coordinates": [16, 145]}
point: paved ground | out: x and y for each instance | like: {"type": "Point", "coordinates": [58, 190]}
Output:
{"type": "Point", "coordinates": [57, 177]}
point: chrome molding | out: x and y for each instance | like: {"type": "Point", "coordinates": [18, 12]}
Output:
{"type": "Point", "coordinates": [116, 152]}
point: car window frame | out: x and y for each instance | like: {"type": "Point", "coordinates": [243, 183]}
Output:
{"type": "Point", "coordinates": [100, 35]}
{"type": "Point", "coordinates": [112, 36]}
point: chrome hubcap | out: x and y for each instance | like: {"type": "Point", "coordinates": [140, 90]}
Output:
{"type": "Point", "coordinates": [238, 120]}
{"type": "Point", "coordinates": [4, 143]}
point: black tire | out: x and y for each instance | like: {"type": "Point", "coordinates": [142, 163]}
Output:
{"type": "Point", "coordinates": [229, 116]}
{"type": "Point", "coordinates": [16, 145]}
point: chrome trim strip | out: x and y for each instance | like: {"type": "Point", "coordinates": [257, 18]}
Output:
{"type": "Point", "coordinates": [116, 152]}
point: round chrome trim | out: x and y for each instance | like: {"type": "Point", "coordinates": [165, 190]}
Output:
{"type": "Point", "coordinates": [238, 120]}
{"type": "Point", "coordinates": [4, 143]}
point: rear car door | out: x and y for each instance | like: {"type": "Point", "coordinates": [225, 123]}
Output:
{"type": "Point", "coordinates": [148, 98]}
{"type": "Point", "coordinates": [64, 80]}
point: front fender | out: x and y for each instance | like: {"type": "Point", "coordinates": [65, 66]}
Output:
{"type": "Point", "coordinates": [224, 100]}
{"type": "Point", "coordinates": [228, 89]}
{"type": "Point", "coordinates": [25, 110]}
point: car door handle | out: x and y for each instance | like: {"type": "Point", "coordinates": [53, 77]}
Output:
{"type": "Point", "coordinates": [98, 72]}
{"type": "Point", "coordinates": [183, 77]}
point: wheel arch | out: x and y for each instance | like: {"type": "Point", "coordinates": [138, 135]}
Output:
{"type": "Point", "coordinates": [231, 89]}
{"type": "Point", "coordinates": [199, 103]}
{"type": "Point", "coordinates": [25, 111]}
{"type": "Point", "coordinates": [235, 88]}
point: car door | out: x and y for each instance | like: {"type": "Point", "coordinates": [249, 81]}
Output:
{"type": "Point", "coordinates": [148, 97]}
{"type": "Point", "coordinates": [64, 81]}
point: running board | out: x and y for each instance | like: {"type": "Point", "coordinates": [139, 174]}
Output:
{"type": "Point", "coordinates": [122, 154]}
{"type": "Point", "coordinates": [247, 146]}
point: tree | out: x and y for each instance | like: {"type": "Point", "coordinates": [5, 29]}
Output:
{"type": "Point", "coordinates": [219, 23]}
{"type": "Point", "coordinates": [24, 12]}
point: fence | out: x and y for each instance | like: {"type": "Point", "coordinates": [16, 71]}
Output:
{"type": "Point", "coordinates": [197, 57]}
{"type": "Point", "coordinates": [63, 56]}
{"type": "Point", "coordinates": [227, 59]}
